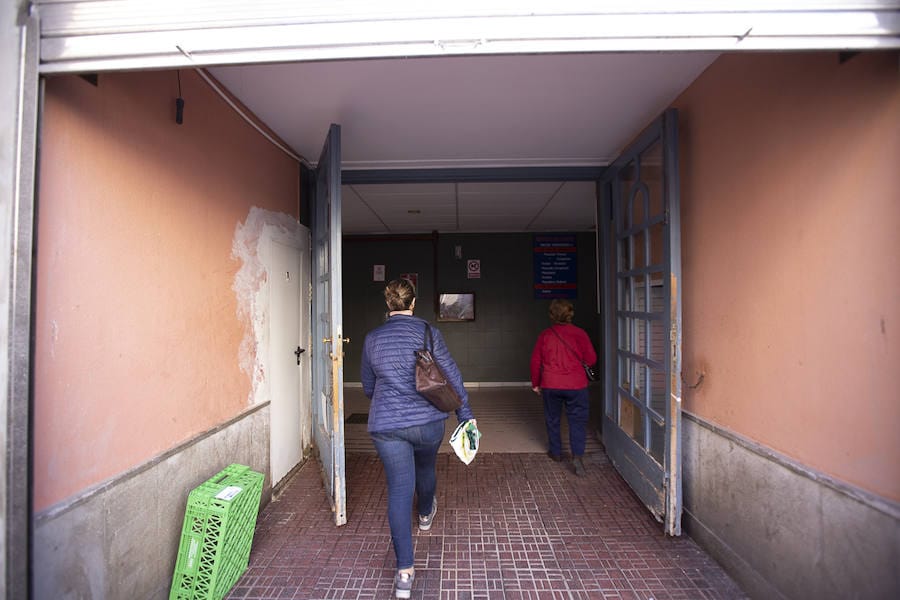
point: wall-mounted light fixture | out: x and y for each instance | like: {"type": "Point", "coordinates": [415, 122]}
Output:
{"type": "Point", "coordinates": [179, 102]}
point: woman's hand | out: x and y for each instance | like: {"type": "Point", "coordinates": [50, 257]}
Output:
{"type": "Point", "coordinates": [536, 389]}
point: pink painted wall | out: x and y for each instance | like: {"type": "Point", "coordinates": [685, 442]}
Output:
{"type": "Point", "coordinates": [790, 172]}
{"type": "Point", "coordinates": [137, 333]}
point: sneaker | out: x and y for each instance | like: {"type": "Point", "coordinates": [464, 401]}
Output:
{"type": "Point", "coordinates": [579, 466]}
{"type": "Point", "coordinates": [554, 457]}
{"type": "Point", "coordinates": [425, 522]}
{"type": "Point", "coordinates": [403, 584]}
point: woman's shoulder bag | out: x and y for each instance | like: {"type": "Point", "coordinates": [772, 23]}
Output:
{"type": "Point", "coordinates": [430, 379]}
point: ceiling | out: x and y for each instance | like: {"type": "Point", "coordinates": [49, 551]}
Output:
{"type": "Point", "coordinates": [467, 112]}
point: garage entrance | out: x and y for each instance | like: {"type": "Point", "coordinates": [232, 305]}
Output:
{"type": "Point", "coordinates": [640, 398]}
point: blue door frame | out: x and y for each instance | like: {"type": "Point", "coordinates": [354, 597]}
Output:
{"type": "Point", "coordinates": [327, 326]}
{"type": "Point", "coordinates": [640, 248]}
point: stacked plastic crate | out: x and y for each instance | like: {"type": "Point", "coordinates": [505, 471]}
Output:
{"type": "Point", "coordinates": [219, 521]}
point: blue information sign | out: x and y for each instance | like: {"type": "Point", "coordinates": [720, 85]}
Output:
{"type": "Point", "coordinates": [555, 266]}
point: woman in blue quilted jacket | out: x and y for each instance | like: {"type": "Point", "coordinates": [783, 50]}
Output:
{"type": "Point", "coordinates": [405, 428]}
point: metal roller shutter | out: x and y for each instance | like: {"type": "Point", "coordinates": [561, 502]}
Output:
{"type": "Point", "coordinates": [94, 35]}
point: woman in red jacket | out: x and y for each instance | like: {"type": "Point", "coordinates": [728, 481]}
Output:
{"type": "Point", "coordinates": [558, 376]}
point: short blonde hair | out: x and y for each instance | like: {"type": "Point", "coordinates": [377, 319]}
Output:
{"type": "Point", "coordinates": [399, 294]}
{"type": "Point", "coordinates": [561, 311]}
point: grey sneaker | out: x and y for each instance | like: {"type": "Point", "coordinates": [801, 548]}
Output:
{"type": "Point", "coordinates": [579, 466]}
{"type": "Point", "coordinates": [426, 521]}
{"type": "Point", "coordinates": [403, 584]}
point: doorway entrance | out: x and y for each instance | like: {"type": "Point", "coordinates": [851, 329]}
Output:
{"type": "Point", "coordinates": [652, 467]}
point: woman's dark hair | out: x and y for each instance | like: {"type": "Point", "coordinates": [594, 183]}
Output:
{"type": "Point", "coordinates": [399, 294]}
{"type": "Point", "coordinates": [561, 311]}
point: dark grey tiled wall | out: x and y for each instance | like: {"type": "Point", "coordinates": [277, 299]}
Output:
{"type": "Point", "coordinates": [364, 307]}
{"type": "Point", "coordinates": [497, 345]}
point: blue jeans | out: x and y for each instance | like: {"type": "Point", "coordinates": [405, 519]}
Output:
{"type": "Point", "coordinates": [577, 403]}
{"type": "Point", "coordinates": [409, 456]}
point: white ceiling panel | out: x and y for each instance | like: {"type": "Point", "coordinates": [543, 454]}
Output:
{"type": "Point", "coordinates": [361, 217]}
{"type": "Point", "coordinates": [505, 199]}
{"type": "Point", "coordinates": [570, 209]}
{"type": "Point", "coordinates": [408, 208]}
{"type": "Point", "coordinates": [498, 223]}
{"type": "Point", "coordinates": [422, 189]}
{"type": "Point", "coordinates": [469, 207]}
{"type": "Point", "coordinates": [401, 204]}
{"type": "Point", "coordinates": [517, 187]}
{"type": "Point", "coordinates": [389, 210]}
{"type": "Point", "coordinates": [507, 206]}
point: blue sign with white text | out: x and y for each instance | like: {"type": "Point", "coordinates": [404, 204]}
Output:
{"type": "Point", "coordinates": [555, 266]}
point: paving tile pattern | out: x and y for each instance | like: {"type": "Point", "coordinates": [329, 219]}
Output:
{"type": "Point", "coordinates": [509, 526]}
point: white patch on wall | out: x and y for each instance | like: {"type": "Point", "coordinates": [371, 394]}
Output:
{"type": "Point", "coordinates": [249, 247]}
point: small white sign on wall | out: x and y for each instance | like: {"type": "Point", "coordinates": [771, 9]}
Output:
{"type": "Point", "coordinates": [473, 268]}
{"type": "Point", "coordinates": [377, 272]}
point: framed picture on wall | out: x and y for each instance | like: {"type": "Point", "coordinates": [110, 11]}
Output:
{"type": "Point", "coordinates": [456, 307]}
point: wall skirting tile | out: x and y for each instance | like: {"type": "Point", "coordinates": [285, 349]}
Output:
{"type": "Point", "coordinates": [781, 529]}
{"type": "Point", "coordinates": [120, 539]}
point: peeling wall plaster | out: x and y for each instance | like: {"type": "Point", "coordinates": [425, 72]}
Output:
{"type": "Point", "coordinates": [249, 247]}
{"type": "Point", "coordinates": [154, 339]}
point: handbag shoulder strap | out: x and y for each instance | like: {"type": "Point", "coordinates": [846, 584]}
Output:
{"type": "Point", "coordinates": [567, 345]}
{"type": "Point", "coordinates": [428, 342]}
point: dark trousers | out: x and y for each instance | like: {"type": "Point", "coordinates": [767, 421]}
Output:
{"type": "Point", "coordinates": [576, 403]}
{"type": "Point", "coordinates": [409, 456]}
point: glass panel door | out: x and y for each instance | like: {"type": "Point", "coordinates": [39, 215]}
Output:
{"type": "Point", "coordinates": [642, 268]}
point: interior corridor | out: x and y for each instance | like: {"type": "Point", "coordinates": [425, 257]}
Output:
{"type": "Point", "coordinates": [511, 420]}
{"type": "Point", "coordinates": [511, 525]}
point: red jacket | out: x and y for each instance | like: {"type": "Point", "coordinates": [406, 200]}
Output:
{"type": "Point", "coordinates": [554, 366]}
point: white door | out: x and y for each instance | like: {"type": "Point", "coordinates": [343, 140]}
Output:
{"type": "Point", "coordinates": [289, 370]}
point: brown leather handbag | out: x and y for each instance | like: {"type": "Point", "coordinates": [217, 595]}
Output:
{"type": "Point", "coordinates": [430, 379]}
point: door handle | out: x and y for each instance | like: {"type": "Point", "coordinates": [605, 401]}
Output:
{"type": "Point", "coordinates": [298, 352]}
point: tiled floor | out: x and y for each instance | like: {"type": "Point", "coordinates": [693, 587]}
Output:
{"type": "Point", "coordinates": [510, 526]}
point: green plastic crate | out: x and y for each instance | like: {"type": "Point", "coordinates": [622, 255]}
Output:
{"type": "Point", "coordinates": [215, 539]}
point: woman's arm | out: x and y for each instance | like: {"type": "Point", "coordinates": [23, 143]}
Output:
{"type": "Point", "coordinates": [451, 371]}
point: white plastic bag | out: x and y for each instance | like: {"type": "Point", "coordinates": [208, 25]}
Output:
{"type": "Point", "coordinates": [465, 441]}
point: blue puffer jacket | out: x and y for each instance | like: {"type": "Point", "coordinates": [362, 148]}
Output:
{"type": "Point", "coordinates": [388, 375]}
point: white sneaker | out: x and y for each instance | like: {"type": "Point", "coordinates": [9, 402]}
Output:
{"type": "Point", "coordinates": [425, 522]}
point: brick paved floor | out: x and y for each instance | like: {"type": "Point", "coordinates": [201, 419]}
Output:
{"type": "Point", "coordinates": [509, 526]}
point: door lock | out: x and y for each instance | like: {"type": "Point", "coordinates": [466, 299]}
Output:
{"type": "Point", "coordinates": [298, 352]}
